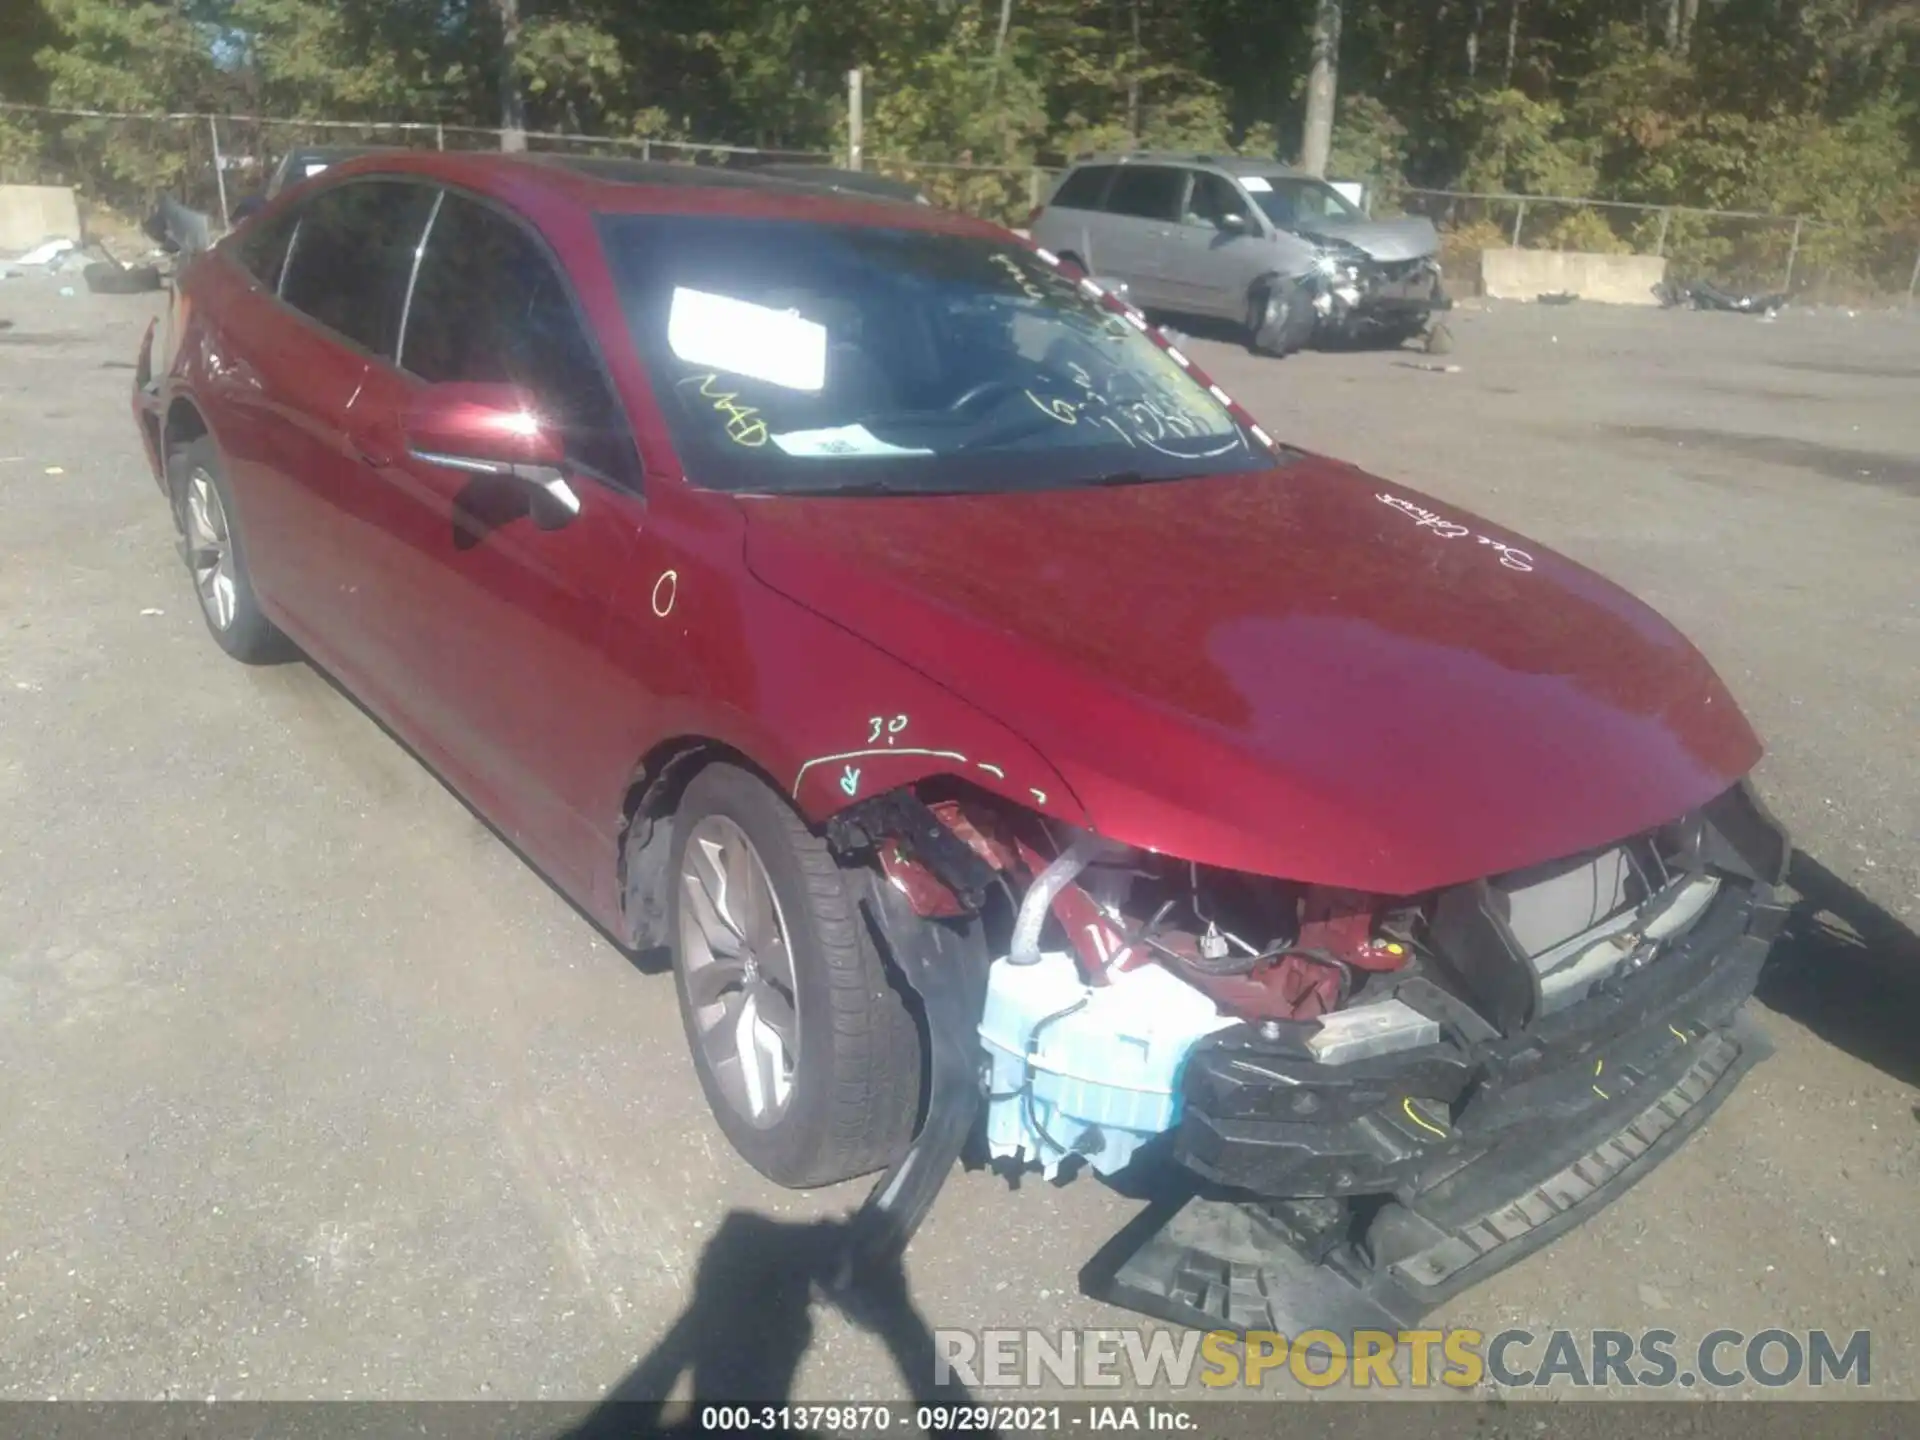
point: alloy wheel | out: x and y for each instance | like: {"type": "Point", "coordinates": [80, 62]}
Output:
{"type": "Point", "coordinates": [210, 550]}
{"type": "Point", "coordinates": [736, 961]}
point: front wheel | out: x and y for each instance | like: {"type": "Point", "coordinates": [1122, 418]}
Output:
{"type": "Point", "coordinates": [1279, 318]}
{"type": "Point", "coordinates": [805, 1047]}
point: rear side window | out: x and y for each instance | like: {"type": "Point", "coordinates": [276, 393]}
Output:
{"type": "Point", "coordinates": [352, 255]}
{"type": "Point", "coordinates": [489, 307]}
{"type": "Point", "coordinates": [263, 247]}
{"type": "Point", "coordinates": [1083, 188]}
{"type": "Point", "coordinates": [1152, 192]}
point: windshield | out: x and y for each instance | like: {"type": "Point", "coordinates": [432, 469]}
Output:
{"type": "Point", "coordinates": [1290, 200]}
{"type": "Point", "coordinates": [793, 356]}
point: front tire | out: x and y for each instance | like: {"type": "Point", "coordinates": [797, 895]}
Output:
{"type": "Point", "coordinates": [805, 1047]}
{"type": "Point", "coordinates": [1275, 325]}
{"type": "Point", "coordinates": [216, 559]}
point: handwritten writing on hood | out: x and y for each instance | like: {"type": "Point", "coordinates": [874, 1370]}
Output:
{"type": "Point", "coordinates": [1510, 556]}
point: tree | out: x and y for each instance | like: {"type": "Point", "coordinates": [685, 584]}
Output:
{"type": "Point", "coordinates": [24, 29]}
{"type": "Point", "coordinates": [1322, 82]}
{"type": "Point", "coordinates": [1807, 105]}
{"type": "Point", "coordinates": [513, 110]}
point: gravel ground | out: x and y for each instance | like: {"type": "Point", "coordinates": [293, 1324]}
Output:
{"type": "Point", "coordinates": [310, 1088]}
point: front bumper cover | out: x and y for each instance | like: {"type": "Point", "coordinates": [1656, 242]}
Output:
{"type": "Point", "coordinates": [1261, 1114]}
{"type": "Point", "coordinates": [1397, 1182]}
{"type": "Point", "coordinates": [1224, 1264]}
{"type": "Point", "coordinates": [1376, 294]}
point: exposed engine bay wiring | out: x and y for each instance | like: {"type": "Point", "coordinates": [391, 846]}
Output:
{"type": "Point", "coordinates": [1261, 948]}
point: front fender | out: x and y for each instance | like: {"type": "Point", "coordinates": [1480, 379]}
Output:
{"type": "Point", "coordinates": [827, 717]}
{"type": "Point", "coordinates": [834, 719]}
{"type": "Point", "coordinates": [713, 653]}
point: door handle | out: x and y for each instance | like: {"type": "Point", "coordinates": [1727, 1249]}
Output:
{"type": "Point", "coordinates": [373, 450]}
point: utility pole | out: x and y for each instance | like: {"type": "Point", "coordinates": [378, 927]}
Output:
{"type": "Point", "coordinates": [1133, 81]}
{"type": "Point", "coordinates": [999, 48]}
{"type": "Point", "coordinates": [1323, 80]}
{"type": "Point", "coordinates": [853, 118]}
{"type": "Point", "coordinates": [513, 110]}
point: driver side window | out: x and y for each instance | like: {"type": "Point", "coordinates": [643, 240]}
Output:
{"type": "Point", "coordinates": [489, 306]}
{"type": "Point", "coordinates": [1211, 200]}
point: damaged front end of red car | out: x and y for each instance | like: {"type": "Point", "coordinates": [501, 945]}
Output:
{"type": "Point", "coordinates": [1392, 1096]}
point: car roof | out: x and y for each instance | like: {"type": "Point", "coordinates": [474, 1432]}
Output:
{"type": "Point", "coordinates": [612, 185]}
{"type": "Point", "coordinates": [337, 154]}
{"type": "Point", "coordinates": [1231, 164]}
{"type": "Point", "coordinates": [859, 182]}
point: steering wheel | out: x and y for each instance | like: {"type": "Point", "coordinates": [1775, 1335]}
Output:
{"type": "Point", "coordinates": [979, 392]}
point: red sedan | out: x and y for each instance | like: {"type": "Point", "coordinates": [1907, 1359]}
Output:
{"type": "Point", "coordinates": [849, 598]}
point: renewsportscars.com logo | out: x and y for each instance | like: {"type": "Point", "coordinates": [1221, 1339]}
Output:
{"type": "Point", "coordinates": [1458, 1359]}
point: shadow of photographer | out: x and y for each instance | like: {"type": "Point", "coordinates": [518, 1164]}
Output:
{"type": "Point", "coordinates": [1849, 970]}
{"type": "Point", "coordinates": [743, 1334]}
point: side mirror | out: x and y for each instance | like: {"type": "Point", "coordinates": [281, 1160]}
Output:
{"type": "Point", "coordinates": [494, 430]}
{"type": "Point", "coordinates": [1234, 223]}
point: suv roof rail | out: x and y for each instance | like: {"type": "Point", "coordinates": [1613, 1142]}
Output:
{"type": "Point", "coordinates": [1172, 157]}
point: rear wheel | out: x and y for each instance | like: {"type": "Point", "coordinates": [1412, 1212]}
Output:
{"type": "Point", "coordinates": [216, 558]}
{"type": "Point", "coordinates": [807, 1052]}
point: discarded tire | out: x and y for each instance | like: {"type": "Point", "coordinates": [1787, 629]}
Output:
{"type": "Point", "coordinates": [105, 279]}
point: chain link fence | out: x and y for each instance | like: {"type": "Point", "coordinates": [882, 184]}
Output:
{"type": "Point", "coordinates": [211, 163]}
{"type": "Point", "coordinates": [126, 161]}
{"type": "Point", "coordinates": [1737, 248]}
{"type": "Point", "coordinates": [1006, 194]}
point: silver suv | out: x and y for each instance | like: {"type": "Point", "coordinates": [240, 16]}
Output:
{"type": "Point", "coordinates": [1248, 240]}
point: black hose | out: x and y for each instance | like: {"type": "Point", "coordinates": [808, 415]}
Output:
{"type": "Point", "coordinates": [1026, 1087]}
{"type": "Point", "coordinates": [1226, 964]}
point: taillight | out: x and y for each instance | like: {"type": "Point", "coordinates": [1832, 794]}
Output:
{"type": "Point", "coordinates": [1033, 215]}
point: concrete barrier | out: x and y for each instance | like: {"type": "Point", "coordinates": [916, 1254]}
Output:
{"type": "Point", "coordinates": [1529, 274]}
{"type": "Point", "coordinates": [32, 213]}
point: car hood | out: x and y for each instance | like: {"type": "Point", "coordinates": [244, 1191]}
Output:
{"type": "Point", "coordinates": [1408, 238]}
{"type": "Point", "coordinates": [1302, 672]}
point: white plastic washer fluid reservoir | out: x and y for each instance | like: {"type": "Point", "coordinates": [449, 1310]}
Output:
{"type": "Point", "coordinates": [1103, 1074]}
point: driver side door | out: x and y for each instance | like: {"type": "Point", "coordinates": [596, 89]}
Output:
{"type": "Point", "coordinates": [500, 624]}
{"type": "Point", "coordinates": [1218, 250]}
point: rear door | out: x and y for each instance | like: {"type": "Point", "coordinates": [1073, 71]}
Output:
{"type": "Point", "coordinates": [248, 356]}
{"type": "Point", "coordinates": [1140, 229]}
{"type": "Point", "coordinates": [497, 624]}
{"type": "Point", "coordinates": [292, 364]}
{"type": "Point", "coordinates": [1072, 221]}
{"type": "Point", "coordinates": [1218, 250]}
{"type": "Point", "coordinates": [347, 274]}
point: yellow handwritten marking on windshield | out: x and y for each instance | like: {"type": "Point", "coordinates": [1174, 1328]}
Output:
{"type": "Point", "coordinates": [1062, 410]}
{"type": "Point", "coordinates": [744, 427]}
{"type": "Point", "coordinates": [1028, 285]}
